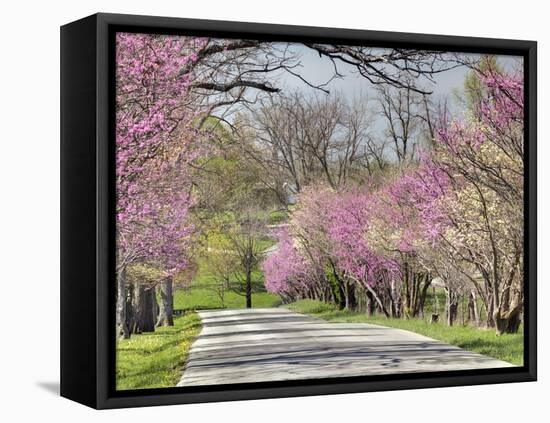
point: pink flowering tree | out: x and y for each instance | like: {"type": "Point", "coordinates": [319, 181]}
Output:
{"type": "Point", "coordinates": [483, 157]}
{"type": "Point", "coordinates": [447, 214]}
{"type": "Point", "coordinates": [156, 140]}
{"type": "Point", "coordinates": [286, 272]}
{"type": "Point", "coordinates": [406, 223]}
{"type": "Point", "coordinates": [362, 268]}
{"type": "Point", "coordinates": [310, 228]}
{"type": "Point", "coordinates": [334, 258]}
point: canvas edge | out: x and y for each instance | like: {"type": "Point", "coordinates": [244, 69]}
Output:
{"type": "Point", "coordinates": [104, 396]}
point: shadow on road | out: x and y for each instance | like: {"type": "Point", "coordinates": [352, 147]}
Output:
{"type": "Point", "coordinates": [239, 346]}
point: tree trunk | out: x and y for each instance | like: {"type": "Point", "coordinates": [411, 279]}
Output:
{"type": "Point", "coordinates": [137, 307]}
{"type": "Point", "coordinates": [333, 292]}
{"type": "Point", "coordinates": [508, 321]}
{"type": "Point", "coordinates": [155, 304]}
{"type": "Point", "coordinates": [507, 324]}
{"type": "Point", "coordinates": [341, 293]}
{"type": "Point", "coordinates": [121, 316]}
{"type": "Point", "coordinates": [490, 318]}
{"type": "Point", "coordinates": [329, 296]}
{"type": "Point", "coordinates": [473, 312]}
{"type": "Point", "coordinates": [371, 304]}
{"type": "Point", "coordinates": [144, 309]}
{"type": "Point", "coordinates": [353, 297]}
{"type": "Point", "coordinates": [221, 294]}
{"type": "Point", "coordinates": [395, 300]}
{"type": "Point", "coordinates": [427, 281]}
{"type": "Point", "coordinates": [346, 296]}
{"type": "Point", "coordinates": [378, 301]}
{"type": "Point", "coordinates": [130, 312]}
{"type": "Point", "coordinates": [166, 306]}
{"type": "Point", "coordinates": [248, 288]}
{"type": "Point", "coordinates": [406, 300]}
{"type": "Point", "coordinates": [452, 310]}
{"type": "Point", "coordinates": [341, 297]}
{"type": "Point", "coordinates": [151, 308]}
{"type": "Point", "coordinates": [451, 306]}
{"type": "Point", "coordinates": [350, 302]}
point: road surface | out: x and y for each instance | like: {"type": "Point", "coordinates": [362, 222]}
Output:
{"type": "Point", "coordinates": [273, 344]}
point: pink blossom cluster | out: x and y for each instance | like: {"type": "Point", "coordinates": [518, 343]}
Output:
{"type": "Point", "coordinates": [285, 270]}
{"type": "Point", "coordinates": [330, 227]}
{"type": "Point", "coordinates": [155, 143]}
{"type": "Point", "coordinates": [500, 112]}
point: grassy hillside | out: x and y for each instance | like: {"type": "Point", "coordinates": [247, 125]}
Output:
{"type": "Point", "coordinates": [197, 298]}
{"type": "Point", "coordinates": [203, 293]}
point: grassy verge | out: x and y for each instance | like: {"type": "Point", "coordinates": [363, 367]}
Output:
{"type": "Point", "coordinates": [507, 347]}
{"type": "Point", "coordinates": [156, 359]}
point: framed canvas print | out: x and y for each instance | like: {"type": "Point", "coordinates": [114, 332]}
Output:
{"type": "Point", "coordinates": [257, 211]}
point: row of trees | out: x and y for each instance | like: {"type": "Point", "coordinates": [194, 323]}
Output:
{"type": "Point", "coordinates": [454, 213]}
{"type": "Point", "coordinates": [298, 140]}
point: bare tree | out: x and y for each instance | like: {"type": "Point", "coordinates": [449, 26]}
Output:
{"type": "Point", "coordinates": [223, 265]}
{"type": "Point", "coordinates": [245, 235]}
{"type": "Point", "coordinates": [395, 67]}
{"type": "Point", "coordinates": [230, 74]}
{"type": "Point", "coordinates": [298, 140]}
{"type": "Point", "coordinates": [407, 117]}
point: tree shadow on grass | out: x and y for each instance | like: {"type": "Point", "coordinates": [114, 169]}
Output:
{"type": "Point", "coordinates": [490, 347]}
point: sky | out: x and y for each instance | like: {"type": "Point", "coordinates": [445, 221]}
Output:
{"type": "Point", "coordinates": [446, 86]}
{"type": "Point", "coordinates": [318, 70]}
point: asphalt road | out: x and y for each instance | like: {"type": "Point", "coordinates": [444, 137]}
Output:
{"type": "Point", "coordinates": [270, 344]}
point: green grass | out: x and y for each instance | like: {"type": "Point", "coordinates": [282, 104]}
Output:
{"type": "Point", "coordinates": [156, 359]}
{"type": "Point", "coordinates": [507, 347]}
{"type": "Point", "coordinates": [277, 216]}
{"type": "Point", "coordinates": [202, 298]}
{"type": "Point", "coordinates": [218, 240]}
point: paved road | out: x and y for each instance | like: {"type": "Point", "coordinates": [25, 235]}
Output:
{"type": "Point", "coordinates": [238, 346]}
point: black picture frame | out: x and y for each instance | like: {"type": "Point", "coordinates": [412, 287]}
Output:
{"type": "Point", "coordinates": [87, 212]}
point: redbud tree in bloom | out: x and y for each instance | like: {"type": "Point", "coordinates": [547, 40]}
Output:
{"type": "Point", "coordinates": [309, 226]}
{"type": "Point", "coordinates": [326, 240]}
{"type": "Point", "coordinates": [156, 140]}
{"type": "Point", "coordinates": [483, 156]}
{"type": "Point", "coordinates": [155, 137]}
{"type": "Point", "coordinates": [406, 223]}
{"type": "Point", "coordinates": [286, 271]}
